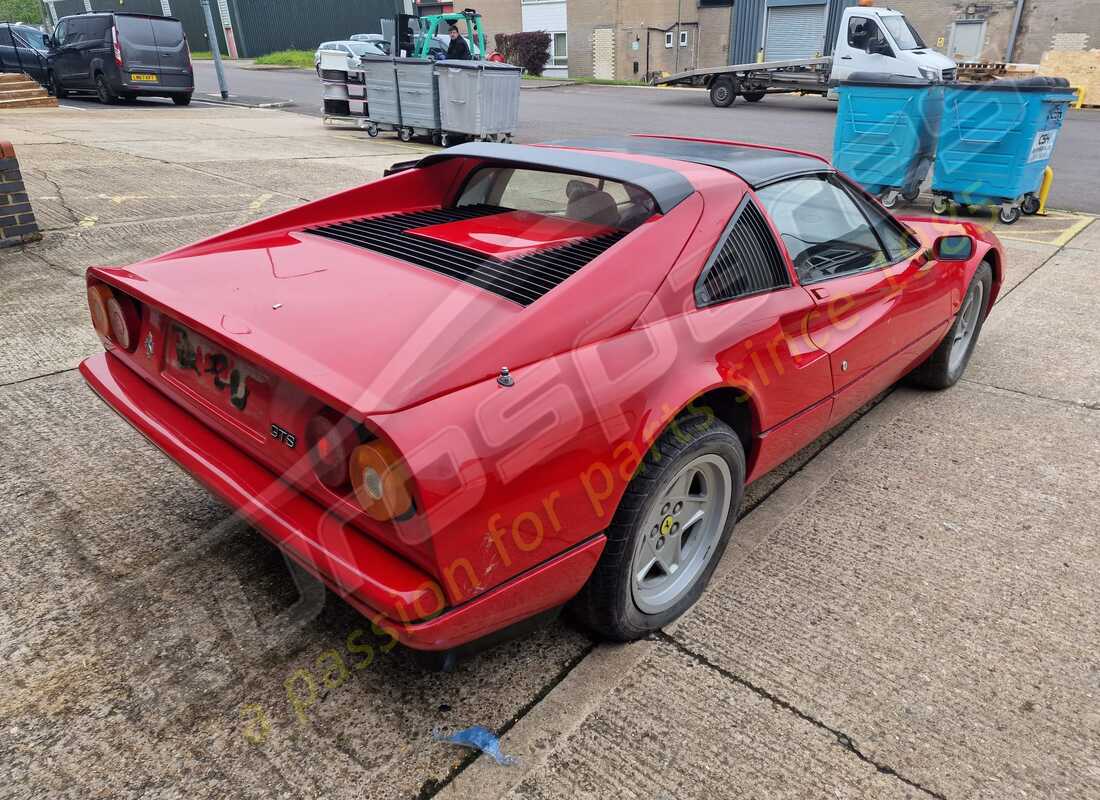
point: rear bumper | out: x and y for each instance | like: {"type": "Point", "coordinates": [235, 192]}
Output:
{"type": "Point", "coordinates": [154, 90]}
{"type": "Point", "coordinates": [378, 583]}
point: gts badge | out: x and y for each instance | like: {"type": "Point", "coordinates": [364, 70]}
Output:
{"type": "Point", "coordinates": [283, 435]}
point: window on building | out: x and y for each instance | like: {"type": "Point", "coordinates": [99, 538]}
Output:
{"type": "Point", "coordinates": [668, 39]}
{"type": "Point", "coordinates": [683, 38]}
{"type": "Point", "coordinates": [559, 50]}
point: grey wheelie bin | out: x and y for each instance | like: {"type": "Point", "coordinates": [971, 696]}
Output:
{"type": "Point", "coordinates": [478, 100]}
{"type": "Point", "coordinates": [383, 105]}
{"type": "Point", "coordinates": [418, 96]}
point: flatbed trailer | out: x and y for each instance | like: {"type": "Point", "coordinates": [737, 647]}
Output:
{"type": "Point", "coordinates": [758, 78]}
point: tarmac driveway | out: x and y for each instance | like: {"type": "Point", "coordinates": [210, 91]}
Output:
{"type": "Point", "coordinates": [910, 609]}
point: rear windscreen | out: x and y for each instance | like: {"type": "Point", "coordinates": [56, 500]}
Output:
{"type": "Point", "coordinates": [137, 30]}
{"type": "Point", "coordinates": [560, 194]}
{"type": "Point", "coordinates": [169, 32]}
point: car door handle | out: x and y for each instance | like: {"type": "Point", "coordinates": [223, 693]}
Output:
{"type": "Point", "coordinates": [845, 58]}
{"type": "Point", "coordinates": [820, 293]}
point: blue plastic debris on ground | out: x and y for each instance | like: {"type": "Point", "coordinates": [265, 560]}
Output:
{"type": "Point", "coordinates": [478, 738]}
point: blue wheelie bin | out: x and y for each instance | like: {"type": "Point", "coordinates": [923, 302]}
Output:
{"type": "Point", "coordinates": [886, 128]}
{"type": "Point", "coordinates": [995, 141]}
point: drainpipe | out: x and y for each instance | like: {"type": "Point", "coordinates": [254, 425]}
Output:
{"type": "Point", "coordinates": [1009, 51]}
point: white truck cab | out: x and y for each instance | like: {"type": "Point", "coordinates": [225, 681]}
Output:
{"type": "Point", "coordinates": [881, 40]}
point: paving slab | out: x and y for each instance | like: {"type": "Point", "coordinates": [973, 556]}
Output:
{"type": "Point", "coordinates": [936, 600]}
{"type": "Point", "coordinates": [308, 178]}
{"type": "Point", "coordinates": [1044, 340]}
{"type": "Point", "coordinates": [88, 194]}
{"type": "Point", "coordinates": [149, 638]}
{"type": "Point", "coordinates": [1022, 259]}
{"type": "Point", "coordinates": [1088, 239]}
{"type": "Point", "coordinates": [43, 331]}
{"type": "Point", "coordinates": [675, 728]}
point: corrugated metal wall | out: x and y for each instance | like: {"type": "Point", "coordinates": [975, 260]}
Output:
{"type": "Point", "coordinates": [262, 26]}
{"type": "Point", "coordinates": [836, 8]}
{"type": "Point", "coordinates": [747, 26]}
{"type": "Point", "coordinates": [746, 30]}
{"type": "Point", "coordinates": [188, 12]}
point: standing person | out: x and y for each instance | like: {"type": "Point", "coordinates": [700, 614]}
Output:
{"type": "Point", "coordinates": [457, 49]}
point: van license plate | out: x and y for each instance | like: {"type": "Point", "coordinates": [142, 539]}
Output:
{"type": "Point", "coordinates": [143, 76]}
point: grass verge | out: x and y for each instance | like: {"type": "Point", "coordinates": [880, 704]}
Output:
{"type": "Point", "coordinates": [288, 58]}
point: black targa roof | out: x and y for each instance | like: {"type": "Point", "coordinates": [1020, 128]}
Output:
{"type": "Point", "coordinates": [756, 166]}
{"type": "Point", "coordinates": [667, 186]}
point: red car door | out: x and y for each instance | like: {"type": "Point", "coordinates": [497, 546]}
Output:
{"type": "Point", "coordinates": [878, 301]}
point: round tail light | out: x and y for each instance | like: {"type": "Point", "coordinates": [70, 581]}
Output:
{"type": "Point", "coordinates": [123, 315]}
{"type": "Point", "coordinates": [380, 480]}
{"type": "Point", "coordinates": [98, 297]}
{"type": "Point", "coordinates": [330, 442]}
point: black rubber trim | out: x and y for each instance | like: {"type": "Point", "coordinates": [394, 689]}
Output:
{"type": "Point", "coordinates": [756, 166]}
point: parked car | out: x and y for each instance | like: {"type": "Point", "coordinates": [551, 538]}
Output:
{"type": "Point", "coordinates": [374, 38]}
{"type": "Point", "coordinates": [677, 318]}
{"type": "Point", "coordinates": [353, 50]}
{"type": "Point", "coordinates": [121, 56]}
{"type": "Point", "coordinates": [23, 49]}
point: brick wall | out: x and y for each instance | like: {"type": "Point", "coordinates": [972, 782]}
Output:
{"type": "Point", "coordinates": [17, 223]}
{"type": "Point", "coordinates": [498, 16]}
{"type": "Point", "coordinates": [1040, 22]}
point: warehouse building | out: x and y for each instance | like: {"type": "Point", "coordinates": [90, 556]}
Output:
{"type": "Point", "coordinates": [635, 39]}
{"type": "Point", "coordinates": [249, 28]}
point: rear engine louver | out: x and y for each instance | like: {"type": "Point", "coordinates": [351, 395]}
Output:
{"type": "Point", "coordinates": [522, 280]}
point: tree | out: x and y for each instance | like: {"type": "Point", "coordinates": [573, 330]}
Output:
{"type": "Point", "coordinates": [21, 11]}
{"type": "Point", "coordinates": [528, 49]}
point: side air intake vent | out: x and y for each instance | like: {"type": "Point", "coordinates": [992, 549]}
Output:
{"type": "Point", "coordinates": [747, 262]}
{"type": "Point", "coordinates": [522, 280]}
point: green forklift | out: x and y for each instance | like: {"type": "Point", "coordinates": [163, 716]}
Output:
{"type": "Point", "coordinates": [425, 37]}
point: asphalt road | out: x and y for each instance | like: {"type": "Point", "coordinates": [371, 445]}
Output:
{"type": "Point", "coordinates": [573, 111]}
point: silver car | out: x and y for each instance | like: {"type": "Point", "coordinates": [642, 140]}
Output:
{"type": "Point", "coordinates": [352, 50]}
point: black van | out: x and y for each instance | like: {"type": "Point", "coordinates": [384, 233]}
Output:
{"type": "Point", "coordinates": [121, 56]}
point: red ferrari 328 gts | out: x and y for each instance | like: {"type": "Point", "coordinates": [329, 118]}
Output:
{"type": "Point", "coordinates": [505, 378]}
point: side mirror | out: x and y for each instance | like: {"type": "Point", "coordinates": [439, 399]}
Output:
{"type": "Point", "coordinates": [953, 248]}
{"type": "Point", "coordinates": [48, 42]}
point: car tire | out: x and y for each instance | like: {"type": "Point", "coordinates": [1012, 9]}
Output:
{"type": "Point", "coordinates": [104, 91]}
{"type": "Point", "coordinates": [701, 460]}
{"type": "Point", "coordinates": [723, 91]}
{"type": "Point", "coordinates": [181, 99]}
{"type": "Point", "coordinates": [56, 88]}
{"type": "Point", "coordinates": [948, 362]}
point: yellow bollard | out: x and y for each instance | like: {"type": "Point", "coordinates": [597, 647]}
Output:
{"type": "Point", "coordinates": [1080, 96]}
{"type": "Point", "coordinates": [1044, 190]}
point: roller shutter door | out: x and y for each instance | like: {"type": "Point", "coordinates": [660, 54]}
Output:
{"type": "Point", "coordinates": [794, 32]}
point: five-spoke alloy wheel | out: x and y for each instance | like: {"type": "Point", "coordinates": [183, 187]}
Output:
{"type": "Point", "coordinates": [672, 524]}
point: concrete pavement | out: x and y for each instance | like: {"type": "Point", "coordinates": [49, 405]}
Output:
{"type": "Point", "coordinates": [909, 609]}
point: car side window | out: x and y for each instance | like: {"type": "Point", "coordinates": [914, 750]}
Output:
{"type": "Point", "coordinates": [865, 34]}
{"type": "Point", "coordinates": [823, 229]}
{"type": "Point", "coordinates": [60, 32]}
{"type": "Point", "coordinates": [897, 241]}
{"type": "Point", "coordinates": [101, 29]}
{"type": "Point", "coordinates": [747, 260]}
